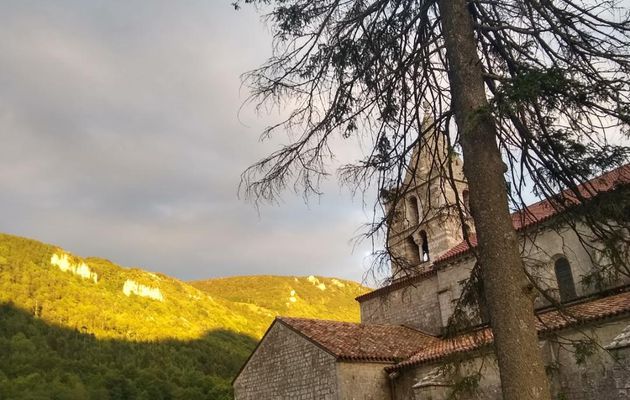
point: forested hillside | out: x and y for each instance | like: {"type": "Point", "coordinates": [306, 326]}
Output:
{"type": "Point", "coordinates": [308, 297]}
{"type": "Point", "coordinates": [75, 328]}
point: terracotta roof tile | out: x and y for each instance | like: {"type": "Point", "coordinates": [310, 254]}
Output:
{"type": "Point", "coordinates": [367, 342]}
{"type": "Point", "coordinates": [393, 343]}
{"type": "Point", "coordinates": [545, 209]}
{"type": "Point", "coordinates": [549, 321]}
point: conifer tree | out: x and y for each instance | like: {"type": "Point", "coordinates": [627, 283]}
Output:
{"type": "Point", "coordinates": [534, 92]}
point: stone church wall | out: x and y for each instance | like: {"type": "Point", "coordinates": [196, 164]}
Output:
{"type": "Point", "coordinates": [415, 305]}
{"type": "Point", "coordinates": [427, 304]}
{"type": "Point", "coordinates": [287, 366]}
{"type": "Point", "coordinates": [450, 286]}
{"type": "Point", "coordinates": [363, 381]}
{"type": "Point", "coordinates": [550, 244]}
{"type": "Point", "coordinates": [542, 248]}
{"type": "Point", "coordinates": [601, 377]}
{"type": "Point", "coordinates": [539, 257]}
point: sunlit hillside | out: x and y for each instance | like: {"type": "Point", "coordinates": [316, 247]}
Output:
{"type": "Point", "coordinates": [268, 296]}
{"type": "Point", "coordinates": [88, 328]}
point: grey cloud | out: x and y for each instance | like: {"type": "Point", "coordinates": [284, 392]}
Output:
{"type": "Point", "coordinates": [121, 139]}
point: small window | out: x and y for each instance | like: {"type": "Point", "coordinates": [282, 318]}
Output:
{"type": "Point", "coordinates": [565, 279]}
{"type": "Point", "coordinates": [425, 246]}
{"type": "Point", "coordinates": [414, 210]}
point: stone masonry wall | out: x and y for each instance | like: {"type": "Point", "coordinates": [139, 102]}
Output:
{"type": "Point", "coordinates": [363, 381]}
{"type": "Point", "coordinates": [428, 304]}
{"type": "Point", "coordinates": [415, 305]}
{"type": "Point", "coordinates": [539, 258]}
{"type": "Point", "coordinates": [600, 376]}
{"type": "Point", "coordinates": [287, 366]}
{"type": "Point", "coordinates": [407, 383]}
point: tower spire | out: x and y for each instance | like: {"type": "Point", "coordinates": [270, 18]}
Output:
{"type": "Point", "coordinates": [428, 222]}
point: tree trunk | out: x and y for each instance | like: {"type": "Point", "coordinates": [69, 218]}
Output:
{"type": "Point", "coordinates": [509, 295]}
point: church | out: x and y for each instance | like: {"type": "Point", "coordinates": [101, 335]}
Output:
{"type": "Point", "coordinates": [401, 349]}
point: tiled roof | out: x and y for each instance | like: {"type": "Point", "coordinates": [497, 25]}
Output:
{"type": "Point", "coordinates": [544, 210]}
{"type": "Point", "coordinates": [361, 342]}
{"type": "Point", "coordinates": [393, 343]}
{"type": "Point", "coordinates": [549, 321]}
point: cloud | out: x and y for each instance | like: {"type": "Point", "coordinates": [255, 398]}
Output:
{"type": "Point", "coordinates": [121, 139]}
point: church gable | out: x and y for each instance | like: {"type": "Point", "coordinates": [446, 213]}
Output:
{"type": "Point", "coordinates": [314, 359]}
{"type": "Point", "coordinates": [286, 365]}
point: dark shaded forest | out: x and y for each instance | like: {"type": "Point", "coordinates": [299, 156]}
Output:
{"type": "Point", "coordinates": [42, 361]}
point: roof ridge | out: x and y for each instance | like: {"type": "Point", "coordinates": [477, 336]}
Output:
{"type": "Point", "coordinates": [419, 331]}
{"type": "Point", "coordinates": [358, 324]}
{"type": "Point", "coordinates": [285, 318]}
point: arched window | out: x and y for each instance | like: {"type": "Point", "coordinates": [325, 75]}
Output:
{"type": "Point", "coordinates": [425, 246]}
{"type": "Point", "coordinates": [414, 210]}
{"type": "Point", "coordinates": [565, 279]}
{"type": "Point", "coordinates": [413, 252]}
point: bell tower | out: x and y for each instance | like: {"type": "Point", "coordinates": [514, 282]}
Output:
{"type": "Point", "coordinates": [426, 222]}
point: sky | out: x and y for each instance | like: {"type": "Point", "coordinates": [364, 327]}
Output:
{"type": "Point", "coordinates": [122, 138]}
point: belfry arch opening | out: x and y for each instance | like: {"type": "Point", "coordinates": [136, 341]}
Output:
{"type": "Point", "coordinates": [425, 246]}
